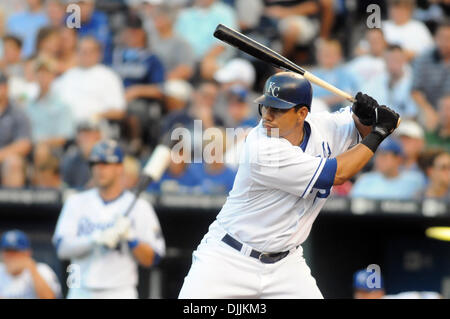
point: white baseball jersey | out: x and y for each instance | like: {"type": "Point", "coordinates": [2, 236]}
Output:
{"type": "Point", "coordinates": [276, 194]}
{"type": "Point", "coordinates": [22, 286]}
{"type": "Point", "coordinates": [102, 268]}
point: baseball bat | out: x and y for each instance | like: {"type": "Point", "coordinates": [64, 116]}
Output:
{"type": "Point", "coordinates": [152, 172]}
{"type": "Point", "coordinates": [261, 52]}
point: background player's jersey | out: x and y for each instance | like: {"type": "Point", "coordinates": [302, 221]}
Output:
{"type": "Point", "coordinates": [103, 268]}
{"type": "Point", "coordinates": [22, 286]}
{"type": "Point", "coordinates": [273, 202]}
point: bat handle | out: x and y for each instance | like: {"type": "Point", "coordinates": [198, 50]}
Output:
{"type": "Point", "coordinates": [327, 86]}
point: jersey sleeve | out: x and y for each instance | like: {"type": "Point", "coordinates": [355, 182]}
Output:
{"type": "Point", "coordinates": [65, 239]}
{"type": "Point", "coordinates": [278, 164]}
{"type": "Point", "coordinates": [343, 133]}
{"type": "Point", "coordinates": [50, 278]}
{"type": "Point", "coordinates": [147, 227]}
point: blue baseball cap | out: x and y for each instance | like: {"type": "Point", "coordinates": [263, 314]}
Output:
{"type": "Point", "coordinates": [238, 91]}
{"type": "Point", "coordinates": [14, 240]}
{"type": "Point", "coordinates": [361, 280]}
{"type": "Point", "coordinates": [391, 145]}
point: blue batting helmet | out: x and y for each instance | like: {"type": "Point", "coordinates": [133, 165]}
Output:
{"type": "Point", "coordinates": [285, 90]}
{"type": "Point", "coordinates": [107, 151]}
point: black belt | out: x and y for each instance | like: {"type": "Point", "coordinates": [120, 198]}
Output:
{"type": "Point", "coordinates": [266, 258]}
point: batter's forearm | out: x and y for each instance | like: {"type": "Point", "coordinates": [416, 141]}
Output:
{"type": "Point", "coordinates": [351, 162]}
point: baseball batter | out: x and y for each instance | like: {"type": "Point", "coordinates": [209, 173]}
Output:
{"type": "Point", "coordinates": [288, 165]}
{"type": "Point", "coordinates": [103, 245]}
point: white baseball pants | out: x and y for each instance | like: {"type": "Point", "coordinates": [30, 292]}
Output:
{"type": "Point", "coordinates": [219, 271]}
{"type": "Point", "coordinates": [117, 293]}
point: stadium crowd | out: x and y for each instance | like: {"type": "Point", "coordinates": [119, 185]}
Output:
{"type": "Point", "coordinates": [135, 70]}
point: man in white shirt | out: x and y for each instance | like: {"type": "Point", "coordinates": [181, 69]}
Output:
{"type": "Point", "coordinates": [21, 277]}
{"type": "Point", "coordinates": [401, 29]}
{"type": "Point", "coordinates": [92, 90]}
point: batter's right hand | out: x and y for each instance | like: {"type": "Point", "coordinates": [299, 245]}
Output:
{"type": "Point", "coordinates": [386, 121]}
{"type": "Point", "coordinates": [364, 108]}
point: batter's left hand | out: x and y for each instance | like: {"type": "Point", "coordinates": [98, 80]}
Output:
{"type": "Point", "coordinates": [364, 108]}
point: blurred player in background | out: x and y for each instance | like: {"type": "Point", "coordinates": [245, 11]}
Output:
{"type": "Point", "coordinates": [20, 275]}
{"type": "Point", "coordinates": [94, 234]}
{"type": "Point", "coordinates": [364, 287]}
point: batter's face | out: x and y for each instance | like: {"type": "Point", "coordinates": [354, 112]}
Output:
{"type": "Point", "coordinates": [284, 123]}
{"type": "Point", "coordinates": [107, 175]}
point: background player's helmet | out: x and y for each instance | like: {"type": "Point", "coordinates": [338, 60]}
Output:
{"type": "Point", "coordinates": [106, 151]}
{"type": "Point", "coordinates": [365, 280]}
{"type": "Point", "coordinates": [285, 90]}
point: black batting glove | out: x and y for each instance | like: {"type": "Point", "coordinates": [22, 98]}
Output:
{"type": "Point", "coordinates": [386, 121]}
{"type": "Point", "coordinates": [364, 108]}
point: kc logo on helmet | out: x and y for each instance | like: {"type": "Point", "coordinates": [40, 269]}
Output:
{"type": "Point", "coordinates": [272, 89]}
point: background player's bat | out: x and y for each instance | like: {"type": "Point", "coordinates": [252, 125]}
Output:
{"type": "Point", "coordinates": [265, 54]}
{"type": "Point", "coordinates": [152, 172]}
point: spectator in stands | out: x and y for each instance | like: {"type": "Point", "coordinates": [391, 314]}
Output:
{"type": "Point", "coordinates": [438, 129]}
{"type": "Point", "coordinates": [23, 88]}
{"type": "Point", "coordinates": [412, 35]}
{"type": "Point", "coordinates": [56, 11]}
{"type": "Point", "coordinates": [15, 129]}
{"type": "Point", "coordinates": [174, 51]}
{"type": "Point", "coordinates": [68, 49]}
{"type": "Point", "coordinates": [201, 108]}
{"type": "Point", "coordinates": [51, 119]}
{"type": "Point", "coordinates": [388, 181]}
{"type": "Point", "coordinates": [177, 95]}
{"type": "Point", "coordinates": [21, 277]}
{"type": "Point", "coordinates": [436, 165]}
{"type": "Point", "coordinates": [94, 24]}
{"type": "Point", "coordinates": [299, 20]}
{"type": "Point", "coordinates": [329, 58]}
{"type": "Point", "coordinates": [140, 69]}
{"type": "Point", "coordinates": [46, 167]}
{"type": "Point", "coordinates": [431, 75]}
{"type": "Point", "coordinates": [412, 138]}
{"type": "Point", "coordinates": [239, 109]}
{"type": "Point", "coordinates": [27, 24]}
{"type": "Point", "coordinates": [74, 165]}
{"type": "Point", "coordinates": [48, 43]}
{"type": "Point", "coordinates": [197, 22]}
{"type": "Point", "coordinates": [13, 172]}
{"type": "Point", "coordinates": [215, 177]}
{"type": "Point", "coordinates": [238, 72]}
{"type": "Point", "coordinates": [235, 72]}
{"type": "Point", "coordinates": [393, 86]}
{"type": "Point", "coordinates": [92, 90]}
{"type": "Point", "coordinates": [369, 63]}
{"type": "Point", "coordinates": [11, 63]}
{"type": "Point", "coordinates": [142, 73]}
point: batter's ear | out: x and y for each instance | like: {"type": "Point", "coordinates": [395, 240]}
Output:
{"type": "Point", "coordinates": [302, 112]}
